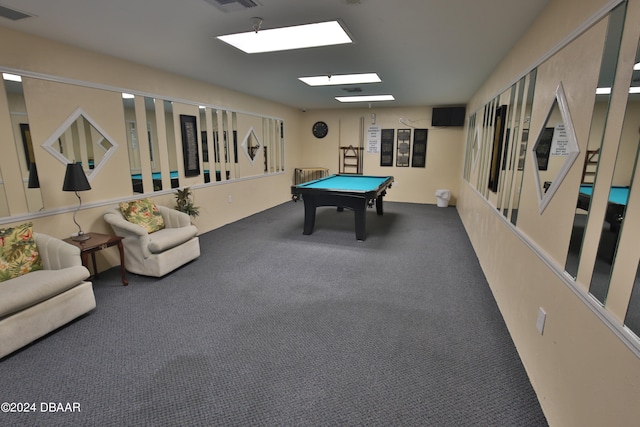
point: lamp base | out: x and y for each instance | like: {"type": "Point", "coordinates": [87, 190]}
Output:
{"type": "Point", "coordinates": [80, 237]}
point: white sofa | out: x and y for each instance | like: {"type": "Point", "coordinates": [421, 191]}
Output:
{"type": "Point", "coordinates": [158, 253]}
{"type": "Point", "coordinates": [36, 303]}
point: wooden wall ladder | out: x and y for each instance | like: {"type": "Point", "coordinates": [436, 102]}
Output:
{"type": "Point", "coordinates": [350, 160]}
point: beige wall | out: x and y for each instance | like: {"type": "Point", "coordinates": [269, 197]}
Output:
{"type": "Point", "coordinates": [584, 367]}
{"type": "Point", "coordinates": [445, 147]}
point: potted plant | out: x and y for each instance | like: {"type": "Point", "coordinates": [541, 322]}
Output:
{"type": "Point", "coordinates": [184, 202]}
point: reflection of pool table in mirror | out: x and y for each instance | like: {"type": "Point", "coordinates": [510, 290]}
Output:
{"type": "Point", "coordinates": [618, 197]}
{"type": "Point", "coordinates": [355, 192]}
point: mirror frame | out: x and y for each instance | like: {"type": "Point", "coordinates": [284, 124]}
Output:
{"type": "Point", "coordinates": [77, 113]}
{"type": "Point", "coordinates": [574, 150]}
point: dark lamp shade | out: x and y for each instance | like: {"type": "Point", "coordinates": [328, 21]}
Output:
{"type": "Point", "coordinates": [75, 179]}
{"type": "Point", "coordinates": [34, 182]}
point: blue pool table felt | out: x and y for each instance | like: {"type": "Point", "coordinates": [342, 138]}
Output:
{"type": "Point", "coordinates": [618, 195]}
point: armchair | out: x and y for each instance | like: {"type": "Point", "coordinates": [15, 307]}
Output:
{"type": "Point", "coordinates": [158, 253]}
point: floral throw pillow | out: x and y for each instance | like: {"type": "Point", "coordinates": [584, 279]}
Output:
{"type": "Point", "coordinates": [18, 252]}
{"type": "Point", "coordinates": [144, 213]}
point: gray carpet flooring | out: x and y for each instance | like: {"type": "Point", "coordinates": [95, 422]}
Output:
{"type": "Point", "coordinates": [273, 328]}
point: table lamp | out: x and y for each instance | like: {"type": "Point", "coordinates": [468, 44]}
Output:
{"type": "Point", "coordinates": [75, 180]}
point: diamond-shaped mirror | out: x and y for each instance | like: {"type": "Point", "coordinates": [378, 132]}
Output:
{"type": "Point", "coordinates": [251, 145]}
{"type": "Point", "coordinates": [555, 149]}
{"type": "Point", "coordinates": [80, 139]}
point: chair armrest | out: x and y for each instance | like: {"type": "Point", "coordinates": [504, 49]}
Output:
{"type": "Point", "coordinates": [56, 254]}
{"type": "Point", "coordinates": [173, 218]}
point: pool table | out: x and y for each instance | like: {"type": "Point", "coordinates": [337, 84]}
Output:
{"type": "Point", "coordinates": [618, 197]}
{"type": "Point", "coordinates": [356, 192]}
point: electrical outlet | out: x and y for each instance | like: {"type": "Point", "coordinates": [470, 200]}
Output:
{"type": "Point", "coordinates": [229, 199]}
{"type": "Point", "coordinates": [542, 316]}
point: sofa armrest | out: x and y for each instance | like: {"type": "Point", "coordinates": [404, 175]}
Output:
{"type": "Point", "coordinates": [173, 218]}
{"type": "Point", "coordinates": [56, 254]}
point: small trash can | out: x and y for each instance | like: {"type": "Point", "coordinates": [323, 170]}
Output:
{"type": "Point", "coordinates": [443, 197]}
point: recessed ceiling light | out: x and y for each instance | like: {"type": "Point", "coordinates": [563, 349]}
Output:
{"type": "Point", "coordinates": [607, 90]}
{"type": "Point", "coordinates": [341, 79]}
{"type": "Point", "coordinates": [288, 38]}
{"type": "Point", "coordinates": [365, 98]}
{"type": "Point", "coordinates": [11, 77]}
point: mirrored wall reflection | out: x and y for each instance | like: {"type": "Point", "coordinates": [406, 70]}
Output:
{"type": "Point", "coordinates": [555, 149]}
{"type": "Point", "coordinates": [506, 98]}
{"type": "Point", "coordinates": [80, 140]}
{"type": "Point", "coordinates": [596, 133]}
{"type": "Point", "coordinates": [472, 143]}
{"type": "Point", "coordinates": [224, 117]}
{"type": "Point", "coordinates": [169, 122]}
{"type": "Point", "coordinates": [529, 86]}
{"type": "Point", "coordinates": [133, 142]}
{"type": "Point", "coordinates": [497, 139]}
{"type": "Point", "coordinates": [23, 145]}
{"type": "Point", "coordinates": [618, 194]}
{"type": "Point", "coordinates": [205, 123]}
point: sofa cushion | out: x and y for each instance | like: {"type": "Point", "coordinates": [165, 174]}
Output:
{"type": "Point", "coordinates": [37, 286]}
{"type": "Point", "coordinates": [144, 213]}
{"type": "Point", "coordinates": [18, 252]}
{"type": "Point", "coordinates": [170, 237]}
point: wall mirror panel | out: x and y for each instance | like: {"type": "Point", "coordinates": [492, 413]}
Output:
{"type": "Point", "coordinates": [205, 139]}
{"type": "Point", "coordinates": [153, 139]}
{"type": "Point", "coordinates": [17, 107]}
{"type": "Point", "coordinates": [555, 149]}
{"type": "Point", "coordinates": [251, 145]}
{"type": "Point", "coordinates": [506, 163]}
{"type": "Point", "coordinates": [79, 139]}
{"type": "Point", "coordinates": [529, 88]}
{"type": "Point", "coordinates": [171, 150]}
{"type": "Point", "coordinates": [619, 189]}
{"type": "Point", "coordinates": [596, 133]}
{"type": "Point", "coordinates": [133, 142]}
{"type": "Point", "coordinates": [471, 148]}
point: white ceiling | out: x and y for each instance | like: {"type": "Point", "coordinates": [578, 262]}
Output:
{"type": "Point", "coordinates": [427, 52]}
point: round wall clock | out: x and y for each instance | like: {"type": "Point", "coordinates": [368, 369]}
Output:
{"type": "Point", "coordinates": [320, 129]}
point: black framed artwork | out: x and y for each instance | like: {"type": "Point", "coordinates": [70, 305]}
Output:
{"type": "Point", "coordinates": [404, 147]}
{"type": "Point", "coordinates": [498, 143]}
{"type": "Point", "coordinates": [543, 148]}
{"type": "Point", "coordinates": [27, 144]}
{"type": "Point", "coordinates": [386, 147]}
{"type": "Point", "coordinates": [191, 156]}
{"type": "Point", "coordinates": [419, 153]}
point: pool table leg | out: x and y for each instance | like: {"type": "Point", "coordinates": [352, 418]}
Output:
{"type": "Point", "coordinates": [379, 204]}
{"type": "Point", "coordinates": [361, 219]}
{"type": "Point", "coordinates": [309, 216]}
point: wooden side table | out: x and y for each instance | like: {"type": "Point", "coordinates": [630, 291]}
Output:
{"type": "Point", "coordinates": [95, 243]}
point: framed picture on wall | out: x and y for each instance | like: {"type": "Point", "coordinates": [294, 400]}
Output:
{"type": "Point", "coordinates": [27, 144]}
{"type": "Point", "coordinates": [404, 147]}
{"type": "Point", "coordinates": [419, 154]}
{"type": "Point", "coordinates": [498, 143]}
{"type": "Point", "coordinates": [386, 147]}
{"type": "Point", "coordinates": [189, 130]}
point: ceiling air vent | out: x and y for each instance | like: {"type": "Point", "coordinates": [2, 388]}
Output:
{"type": "Point", "coordinates": [352, 89]}
{"type": "Point", "coordinates": [12, 14]}
{"type": "Point", "coordinates": [233, 5]}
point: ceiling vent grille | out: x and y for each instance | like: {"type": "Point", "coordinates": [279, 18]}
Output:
{"type": "Point", "coordinates": [12, 14]}
{"type": "Point", "coordinates": [233, 5]}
